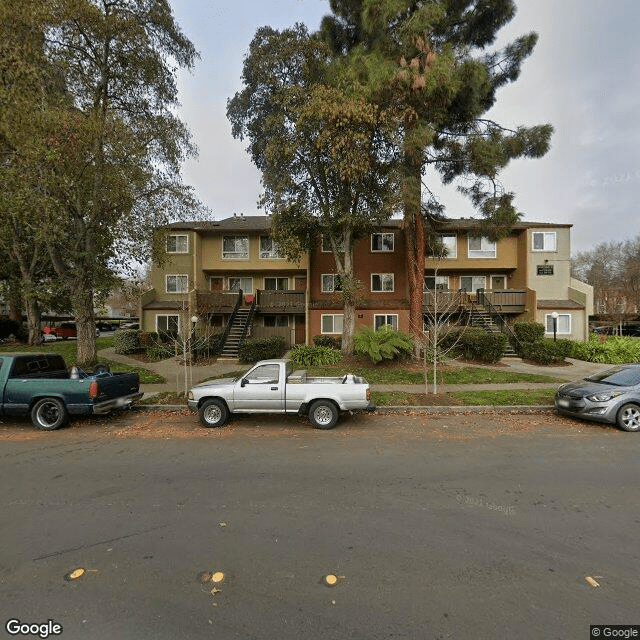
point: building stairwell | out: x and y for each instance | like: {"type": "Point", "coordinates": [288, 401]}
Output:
{"type": "Point", "coordinates": [240, 325]}
{"type": "Point", "coordinates": [480, 317]}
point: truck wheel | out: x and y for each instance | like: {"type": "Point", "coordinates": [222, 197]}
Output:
{"type": "Point", "coordinates": [323, 414]}
{"type": "Point", "coordinates": [49, 414]}
{"type": "Point", "coordinates": [213, 413]}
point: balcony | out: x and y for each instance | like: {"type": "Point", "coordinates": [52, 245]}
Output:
{"type": "Point", "coordinates": [281, 301]}
{"type": "Point", "coordinates": [216, 301]}
{"type": "Point", "coordinates": [503, 300]}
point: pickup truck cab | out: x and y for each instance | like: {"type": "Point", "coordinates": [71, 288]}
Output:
{"type": "Point", "coordinates": [39, 385]}
{"type": "Point", "coordinates": [271, 386]}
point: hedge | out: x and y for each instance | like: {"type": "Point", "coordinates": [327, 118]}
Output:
{"type": "Point", "coordinates": [544, 351]}
{"type": "Point", "coordinates": [473, 343]}
{"type": "Point", "coordinates": [255, 349]}
{"type": "Point", "coordinates": [126, 341]}
{"type": "Point", "coordinates": [616, 350]}
{"type": "Point", "coordinates": [327, 341]}
{"type": "Point", "coordinates": [529, 331]}
{"type": "Point", "coordinates": [303, 355]}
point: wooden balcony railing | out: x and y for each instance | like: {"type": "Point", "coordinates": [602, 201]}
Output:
{"type": "Point", "coordinates": [281, 301]}
{"type": "Point", "coordinates": [507, 300]}
{"type": "Point", "coordinates": [216, 301]}
{"type": "Point", "coordinates": [504, 300]}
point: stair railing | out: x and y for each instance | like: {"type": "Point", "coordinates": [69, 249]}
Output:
{"type": "Point", "coordinates": [232, 317]}
{"type": "Point", "coordinates": [247, 322]}
{"type": "Point", "coordinates": [496, 317]}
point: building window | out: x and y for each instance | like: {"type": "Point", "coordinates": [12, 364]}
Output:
{"type": "Point", "coordinates": [544, 240]}
{"type": "Point", "coordinates": [473, 283]}
{"type": "Point", "coordinates": [276, 284]}
{"type": "Point", "coordinates": [326, 244]}
{"type": "Point", "coordinates": [244, 284]}
{"type": "Point", "coordinates": [382, 282]}
{"type": "Point", "coordinates": [168, 324]}
{"type": "Point", "coordinates": [178, 244]}
{"type": "Point", "coordinates": [385, 319]}
{"type": "Point", "coordinates": [382, 242]}
{"type": "Point", "coordinates": [331, 282]}
{"type": "Point", "coordinates": [449, 247]}
{"type": "Point", "coordinates": [276, 321]}
{"type": "Point", "coordinates": [235, 247]}
{"type": "Point", "coordinates": [564, 323]}
{"type": "Point", "coordinates": [436, 283]}
{"type": "Point", "coordinates": [332, 323]}
{"type": "Point", "coordinates": [481, 247]}
{"type": "Point", "coordinates": [268, 248]}
{"type": "Point", "coordinates": [177, 284]}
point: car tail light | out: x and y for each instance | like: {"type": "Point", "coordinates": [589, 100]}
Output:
{"type": "Point", "coordinates": [94, 390]}
{"type": "Point", "coordinates": [368, 395]}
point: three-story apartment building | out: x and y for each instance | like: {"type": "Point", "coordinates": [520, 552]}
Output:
{"type": "Point", "coordinates": [229, 271]}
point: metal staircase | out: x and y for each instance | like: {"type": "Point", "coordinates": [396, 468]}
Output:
{"type": "Point", "coordinates": [484, 314]}
{"type": "Point", "coordinates": [238, 326]}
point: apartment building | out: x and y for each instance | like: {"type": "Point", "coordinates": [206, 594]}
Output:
{"type": "Point", "coordinates": [227, 276]}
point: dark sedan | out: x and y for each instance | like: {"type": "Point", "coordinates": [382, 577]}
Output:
{"type": "Point", "coordinates": [612, 396]}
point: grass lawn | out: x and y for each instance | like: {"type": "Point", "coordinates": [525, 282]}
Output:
{"type": "Point", "coordinates": [67, 349]}
{"type": "Point", "coordinates": [409, 374]}
{"type": "Point", "coordinates": [515, 397]}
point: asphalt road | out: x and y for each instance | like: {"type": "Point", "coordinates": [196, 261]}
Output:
{"type": "Point", "coordinates": [436, 527]}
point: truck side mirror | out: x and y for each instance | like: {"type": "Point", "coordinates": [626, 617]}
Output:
{"type": "Point", "coordinates": [243, 382]}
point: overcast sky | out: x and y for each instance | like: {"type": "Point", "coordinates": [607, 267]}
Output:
{"type": "Point", "coordinates": [583, 78]}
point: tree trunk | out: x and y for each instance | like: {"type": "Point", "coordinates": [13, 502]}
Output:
{"type": "Point", "coordinates": [412, 209]}
{"type": "Point", "coordinates": [86, 326]}
{"type": "Point", "coordinates": [33, 320]}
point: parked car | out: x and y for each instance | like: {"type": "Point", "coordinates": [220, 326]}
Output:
{"type": "Point", "coordinates": [612, 396]}
{"type": "Point", "coordinates": [130, 325]}
{"type": "Point", "coordinates": [101, 325]}
{"type": "Point", "coordinates": [271, 386]}
{"type": "Point", "coordinates": [631, 330]}
{"type": "Point", "coordinates": [64, 330]}
{"type": "Point", "coordinates": [39, 385]}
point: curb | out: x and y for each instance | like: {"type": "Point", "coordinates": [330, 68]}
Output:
{"type": "Point", "coordinates": [391, 410]}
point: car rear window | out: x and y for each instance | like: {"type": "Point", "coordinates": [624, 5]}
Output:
{"type": "Point", "coordinates": [37, 366]}
{"type": "Point", "coordinates": [620, 376]}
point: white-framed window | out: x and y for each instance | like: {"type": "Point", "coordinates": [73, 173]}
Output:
{"type": "Point", "coordinates": [177, 283]}
{"type": "Point", "coordinates": [564, 323]}
{"type": "Point", "coordinates": [383, 242]}
{"type": "Point", "coordinates": [332, 322]}
{"type": "Point", "coordinates": [235, 247]}
{"type": "Point", "coordinates": [178, 243]}
{"type": "Point", "coordinates": [436, 283]}
{"type": "Point", "coordinates": [380, 320]}
{"type": "Point", "coordinates": [544, 241]}
{"type": "Point", "coordinates": [326, 244]}
{"type": "Point", "coordinates": [239, 282]}
{"type": "Point", "coordinates": [168, 323]}
{"type": "Point", "coordinates": [450, 246]}
{"type": "Point", "coordinates": [481, 247]}
{"type": "Point", "coordinates": [274, 283]}
{"type": "Point", "coordinates": [382, 282]}
{"type": "Point", "coordinates": [331, 282]}
{"type": "Point", "coordinates": [473, 283]}
{"type": "Point", "coordinates": [276, 321]}
{"type": "Point", "coordinates": [268, 248]}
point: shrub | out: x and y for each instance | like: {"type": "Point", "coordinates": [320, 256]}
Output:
{"type": "Point", "coordinates": [384, 344]}
{"type": "Point", "coordinates": [127, 341]}
{"type": "Point", "coordinates": [159, 351]}
{"type": "Point", "coordinates": [327, 341]}
{"type": "Point", "coordinates": [207, 346]}
{"type": "Point", "coordinates": [303, 355]}
{"type": "Point", "coordinates": [529, 331]}
{"type": "Point", "coordinates": [255, 349]}
{"type": "Point", "coordinates": [473, 343]}
{"type": "Point", "coordinates": [615, 350]}
{"type": "Point", "coordinates": [452, 341]}
{"type": "Point", "coordinates": [565, 347]}
{"type": "Point", "coordinates": [148, 338]}
{"type": "Point", "coordinates": [544, 351]}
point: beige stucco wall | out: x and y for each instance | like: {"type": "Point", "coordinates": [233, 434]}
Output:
{"type": "Point", "coordinates": [555, 287]}
{"type": "Point", "coordinates": [506, 256]}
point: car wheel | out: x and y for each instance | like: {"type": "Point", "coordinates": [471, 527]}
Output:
{"type": "Point", "coordinates": [323, 414]}
{"type": "Point", "coordinates": [213, 413]}
{"type": "Point", "coordinates": [49, 414]}
{"type": "Point", "coordinates": [629, 417]}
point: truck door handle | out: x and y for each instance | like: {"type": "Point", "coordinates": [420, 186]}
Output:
{"type": "Point", "coordinates": [274, 388]}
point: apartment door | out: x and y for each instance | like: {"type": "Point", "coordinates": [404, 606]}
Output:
{"type": "Point", "coordinates": [301, 283]}
{"type": "Point", "coordinates": [300, 334]}
{"type": "Point", "coordinates": [498, 283]}
{"type": "Point", "coordinates": [216, 283]}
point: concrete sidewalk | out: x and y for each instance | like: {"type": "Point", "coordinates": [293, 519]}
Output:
{"type": "Point", "coordinates": [174, 373]}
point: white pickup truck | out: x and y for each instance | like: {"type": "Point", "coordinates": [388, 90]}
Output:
{"type": "Point", "coordinates": [271, 386]}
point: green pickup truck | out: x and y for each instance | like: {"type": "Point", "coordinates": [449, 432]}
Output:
{"type": "Point", "coordinates": [39, 385]}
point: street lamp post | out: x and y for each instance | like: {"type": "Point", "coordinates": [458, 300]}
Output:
{"type": "Point", "coordinates": [554, 317]}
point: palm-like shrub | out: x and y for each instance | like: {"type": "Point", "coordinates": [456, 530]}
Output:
{"type": "Point", "coordinates": [384, 344]}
